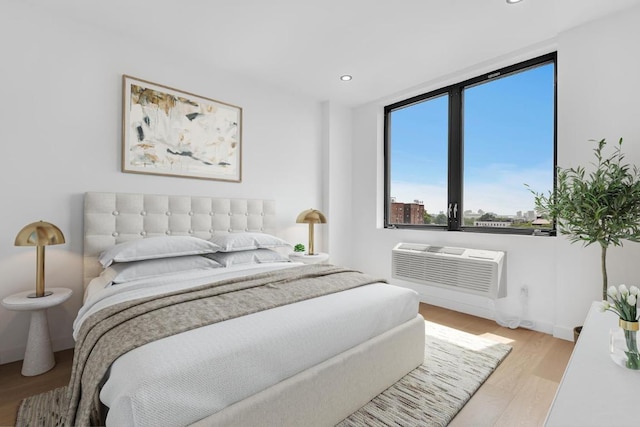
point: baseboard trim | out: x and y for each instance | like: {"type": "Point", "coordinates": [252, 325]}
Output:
{"type": "Point", "coordinates": [485, 313]}
{"type": "Point", "coordinates": [17, 354]}
{"type": "Point", "coordinates": [11, 355]}
{"type": "Point", "coordinates": [563, 332]}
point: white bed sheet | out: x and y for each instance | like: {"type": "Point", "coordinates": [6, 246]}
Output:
{"type": "Point", "coordinates": [186, 377]}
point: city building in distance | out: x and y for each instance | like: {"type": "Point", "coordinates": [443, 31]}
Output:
{"type": "Point", "coordinates": [406, 213]}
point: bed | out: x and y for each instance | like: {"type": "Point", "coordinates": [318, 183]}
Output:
{"type": "Point", "coordinates": [295, 364]}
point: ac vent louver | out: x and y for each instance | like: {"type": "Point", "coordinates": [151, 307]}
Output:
{"type": "Point", "coordinates": [472, 271]}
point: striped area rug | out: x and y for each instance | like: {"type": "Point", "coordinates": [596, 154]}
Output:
{"type": "Point", "coordinates": [455, 365]}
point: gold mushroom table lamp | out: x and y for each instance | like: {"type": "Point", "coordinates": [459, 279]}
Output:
{"type": "Point", "coordinates": [39, 234]}
{"type": "Point", "coordinates": [311, 217]}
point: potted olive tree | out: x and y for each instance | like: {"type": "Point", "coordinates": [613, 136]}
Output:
{"type": "Point", "coordinates": [601, 206]}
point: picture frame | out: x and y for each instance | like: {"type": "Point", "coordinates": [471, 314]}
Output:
{"type": "Point", "coordinates": [170, 132]}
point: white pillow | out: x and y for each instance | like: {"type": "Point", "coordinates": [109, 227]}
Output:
{"type": "Point", "coordinates": [232, 242]}
{"type": "Point", "coordinates": [127, 271]}
{"type": "Point", "coordinates": [256, 256]}
{"type": "Point", "coordinates": [156, 247]}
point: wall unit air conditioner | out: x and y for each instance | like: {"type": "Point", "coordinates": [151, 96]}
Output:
{"type": "Point", "coordinates": [473, 271]}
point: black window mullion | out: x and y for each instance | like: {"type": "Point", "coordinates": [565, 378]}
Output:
{"type": "Point", "coordinates": [387, 168]}
{"type": "Point", "coordinates": [454, 191]}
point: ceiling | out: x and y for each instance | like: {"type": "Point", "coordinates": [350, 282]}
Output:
{"type": "Point", "coordinates": [305, 45]}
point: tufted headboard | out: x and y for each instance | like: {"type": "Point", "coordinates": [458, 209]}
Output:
{"type": "Point", "coordinates": [111, 218]}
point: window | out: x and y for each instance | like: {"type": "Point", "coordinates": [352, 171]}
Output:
{"type": "Point", "coordinates": [459, 157]}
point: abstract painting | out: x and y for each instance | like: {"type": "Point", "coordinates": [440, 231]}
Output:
{"type": "Point", "coordinates": [169, 132]}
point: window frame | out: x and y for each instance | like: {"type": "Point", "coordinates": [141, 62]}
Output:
{"type": "Point", "coordinates": [455, 147]}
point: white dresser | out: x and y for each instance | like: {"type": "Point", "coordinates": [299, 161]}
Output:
{"type": "Point", "coordinates": [594, 391]}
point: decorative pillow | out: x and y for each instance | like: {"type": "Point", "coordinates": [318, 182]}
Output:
{"type": "Point", "coordinates": [256, 256]}
{"type": "Point", "coordinates": [232, 242]}
{"type": "Point", "coordinates": [127, 271]}
{"type": "Point", "coordinates": [156, 247]}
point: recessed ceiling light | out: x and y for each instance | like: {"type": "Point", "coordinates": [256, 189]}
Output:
{"type": "Point", "coordinates": [513, 1]}
{"type": "Point", "coordinates": [346, 77]}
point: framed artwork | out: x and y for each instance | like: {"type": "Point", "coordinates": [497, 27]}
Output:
{"type": "Point", "coordinates": [169, 132]}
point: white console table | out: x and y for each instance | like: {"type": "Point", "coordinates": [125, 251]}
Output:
{"type": "Point", "coordinates": [594, 391]}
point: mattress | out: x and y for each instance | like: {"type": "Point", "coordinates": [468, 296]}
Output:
{"type": "Point", "coordinates": [186, 377]}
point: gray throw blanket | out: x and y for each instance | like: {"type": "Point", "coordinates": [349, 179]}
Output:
{"type": "Point", "coordinates": [115, 330]}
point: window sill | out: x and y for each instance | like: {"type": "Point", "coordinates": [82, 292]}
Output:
{"type": "Point", "coordinates": [514, 231]}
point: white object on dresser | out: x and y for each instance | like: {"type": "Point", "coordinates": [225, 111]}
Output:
{"type": "Point", "coordinates": [38, 358]}
{"type": "Point", "coordinates": [317, 258]}
{"type": "Point", "coordinates": [594, 391]}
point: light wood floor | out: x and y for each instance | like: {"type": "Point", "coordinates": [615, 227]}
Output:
{"type": "Point", "coordinates": [521, 389]}
{"type": "Point", "coordinates": [518, 393]}
{"type": "Point", "coordinates": [14, 387]}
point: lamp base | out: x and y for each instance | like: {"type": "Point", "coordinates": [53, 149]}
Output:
{"type": "Point", "coordinates": [46, 294]}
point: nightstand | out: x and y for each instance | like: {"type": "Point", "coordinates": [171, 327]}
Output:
{"type": "Point", "coordinates": [38, 358]}
{"type": "Point", "coordinates": [319, 258]}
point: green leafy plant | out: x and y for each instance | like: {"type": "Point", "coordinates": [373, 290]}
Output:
{"type": "Point", "coordinates": [298, 248]}
{"type": "Point", "coordinates": [602, 206]}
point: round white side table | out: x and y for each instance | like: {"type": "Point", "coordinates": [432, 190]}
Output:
{"type": "Point", "coordinates": [38, 358]}
{"type": "Point", "coordinates": [319, 258]}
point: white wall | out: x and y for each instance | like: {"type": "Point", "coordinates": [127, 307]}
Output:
{"type": "Point", "coordinates": [337, 175]}
{"type": "Point", "coordinates": [60, 131]}
{"type": "Point", "coordinates": [598, 97]}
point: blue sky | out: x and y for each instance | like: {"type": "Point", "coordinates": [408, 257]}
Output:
{"type": "Point", "coordinates": [508, 141]}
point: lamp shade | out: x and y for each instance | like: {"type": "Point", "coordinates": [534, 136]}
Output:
{"type": "Point", "coordinates": [311, 216]}
{"type": "Point", "coordinates": [39, 233]}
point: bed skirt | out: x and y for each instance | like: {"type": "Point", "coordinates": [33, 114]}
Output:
{"type": "Point", "coordinates": [329, 392]}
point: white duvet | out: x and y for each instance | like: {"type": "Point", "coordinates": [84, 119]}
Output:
{"type": "Point", "coordinates": [186, 377]}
